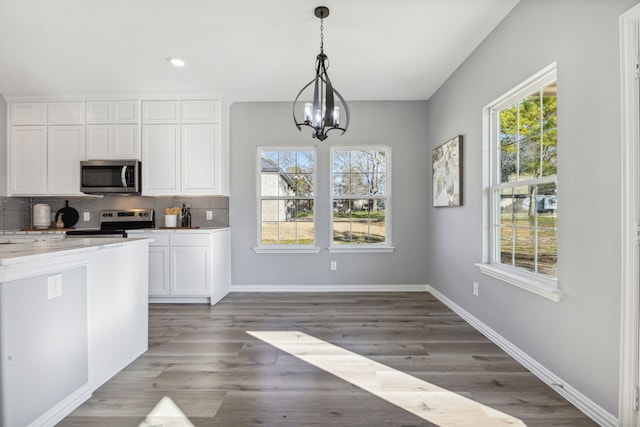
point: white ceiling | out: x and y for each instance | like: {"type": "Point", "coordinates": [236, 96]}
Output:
{"type": "Point", "coordinates": [251, 50]}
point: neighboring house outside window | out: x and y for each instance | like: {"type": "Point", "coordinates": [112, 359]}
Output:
{"type": "Point", "coordinates": [286, 196]}
{"type": "Point", "coordinates": [523, 199]}
{"type": "Point", "coordinates": [360, 199]}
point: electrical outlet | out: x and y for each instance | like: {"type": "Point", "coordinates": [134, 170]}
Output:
{"type": "Point", "coordinates": [209, 215]}
{"type": "Point", "coordinates": [475, 288]}
{"type": "Point", "coordinates": [334, 265]}
{"type": "Point", "coordinates": [86, 216]}
{"type": "Point", "coordinates": [54, 286]}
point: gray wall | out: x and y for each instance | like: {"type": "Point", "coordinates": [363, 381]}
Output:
{"type": "Point", "coordinates": [578, 338]}
{"type": "Point", "coordinates": [402, 125]}
{"type": "Point", "coordinates": [3, 144]}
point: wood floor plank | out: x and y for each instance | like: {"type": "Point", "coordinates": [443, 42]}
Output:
{"type": "Point", "coordinates": [202, 358]}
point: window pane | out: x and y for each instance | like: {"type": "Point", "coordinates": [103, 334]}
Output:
{"type": "Point", "coordinates": [342, 221]}
{"type": "Point", "coordinates": [547, 253]}
{"type": "Point", "coordinates": [508, 133]}
{"type": "Point", "coordinates": [305, 162]}
{"type": "Point", "coordinates": [341, 184]}
{"type": "Point", "coordinates": [359, 184]}
{"type": "Point", "coordinates": [525, 248]}
{"type": "Point", "coordinates": [269, 233]}
{"type": "Point", "coordinates": [506, 243]}
{"type": "Point", "coordinates": [270, 211]}
{"type": "Point", "coordinates": [550, 152]}
{"type": "Point", "coordinates": [303, 184]}
{"type": "Point", "coordinates": [287, 161]}
{"type": "Point", "coordinates": [341, 161]}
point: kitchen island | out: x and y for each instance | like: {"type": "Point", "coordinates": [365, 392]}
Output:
{"type": "Point", "coordinates": [73, 313]}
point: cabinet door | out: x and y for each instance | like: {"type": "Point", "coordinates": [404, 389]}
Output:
{"type": "Point", "coordinates": [99, 141]}
{"type": "Point", "coordinates": [161, 159]}
{"type": "Point", "coordinates": [98, 112]}
{"type": "Point", "coordinates": [28, 160]}
{"type": "Point", "coordinates": [158, 271]}
{"type": "Point", "coordinates": [65, 151]}
{"type": "Point", "coordinates": [159, 112]}
{"type": "Point", "coordinates": [66, 113]}
{"type": "Point", "coordinates": [201, 111]}
{"type": "Point", "coordinates": [200, 159]}
{"type": "Point", "coordinates": [126, 112]}
{"type": "Point", "coordinates": [190, 271]}
{"type": "Point", "coordinates": [126, 143]}
{"type": "Point", "coordinates": [29, 113]}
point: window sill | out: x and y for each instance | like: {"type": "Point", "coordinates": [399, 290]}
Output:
{"type": "Point", "coordinates": [286, 250]}
{"type": "Point", "coordinates": [355, 249]}
{"type": "Point", "coordinates": [546, 288]}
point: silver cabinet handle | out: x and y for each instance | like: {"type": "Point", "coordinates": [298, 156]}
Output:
{"type": "Point", "coordinates": [123, 176]}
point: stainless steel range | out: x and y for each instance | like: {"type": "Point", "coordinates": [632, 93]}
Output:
{"type": "Point", "coordinates": [116, 223]}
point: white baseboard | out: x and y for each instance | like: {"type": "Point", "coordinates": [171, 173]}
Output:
{"type": "Point", "coordinates": [330, 288]}
{"type": "Point", "coordinates": [579, 400]}
{"type": "Point", "coordinates": [63, 408]}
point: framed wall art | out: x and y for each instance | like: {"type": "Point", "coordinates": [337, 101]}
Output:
{"type": "Point", "coordinates": [446, 161]}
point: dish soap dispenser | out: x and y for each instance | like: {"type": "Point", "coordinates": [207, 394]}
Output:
{"type": "Point", "coordinates": [59, 222]}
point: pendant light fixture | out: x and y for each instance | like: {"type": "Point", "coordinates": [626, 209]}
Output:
{"type": "Point", "coordinates": [322, 115]}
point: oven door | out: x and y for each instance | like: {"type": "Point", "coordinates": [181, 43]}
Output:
{"type": "Point", "coordinates": [110, 177]}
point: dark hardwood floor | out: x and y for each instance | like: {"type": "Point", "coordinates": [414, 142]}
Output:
{"type": "Point", "coordinates": [201, 357]}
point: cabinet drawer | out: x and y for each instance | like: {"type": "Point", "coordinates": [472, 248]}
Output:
{"type": "Point", "coordinates": [188, 239]}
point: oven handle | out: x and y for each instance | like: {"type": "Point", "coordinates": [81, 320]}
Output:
{"type": "Point", "coordinates": [123, 176]}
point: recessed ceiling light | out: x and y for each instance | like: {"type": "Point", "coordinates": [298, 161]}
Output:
{"type": "Point", "coordinates": [176, 62]}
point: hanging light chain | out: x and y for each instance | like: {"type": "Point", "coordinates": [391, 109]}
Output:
{"type": "Point", "coordinates": [322, 33]}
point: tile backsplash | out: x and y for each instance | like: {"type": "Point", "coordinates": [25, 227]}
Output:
{"type": "Point", "coordinates": [15, 213]}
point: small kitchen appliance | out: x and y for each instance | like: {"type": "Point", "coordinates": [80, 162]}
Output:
{"type": "Point", "coordinates": [110, 177]}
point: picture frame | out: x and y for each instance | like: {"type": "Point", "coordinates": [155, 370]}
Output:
{"type": "Point", "coordinates": [446, 163]}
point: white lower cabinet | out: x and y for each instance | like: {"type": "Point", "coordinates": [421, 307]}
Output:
{"type": "Point", "coordinates": [159, 271]}
{"type": "Point", "coordinates": [187, 265]}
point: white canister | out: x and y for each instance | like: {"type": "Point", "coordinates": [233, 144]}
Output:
{"type": "Point", "coordinates": [41, 215]}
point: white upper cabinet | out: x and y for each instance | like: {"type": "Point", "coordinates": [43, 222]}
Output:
{"type": "Point", "coordinates": [106, 112]}
{"type": "Point", "coordinates": [46, 160]}
{"type": "Point", "coordinates": [199, 166]}
{"type": "Point", "coordinates": [65, 150]}
{"type": "Point", "coordinates": [201, 111]}
{"type": "Point", "coordinates": [200, 153]}
{"type": "Point", "coordinates": [113, 142]}
{"type": "Point", "coordinates": [65, 113]}
{"type": "Point", "coordinates": [161, 159]}
{"type": "Point", "coordinates": [112, 130]}
{"type": "Point", "coordinates": [28, 160]}
{"type": "Point", "coordinates": [28, 113]}
{"type": "Point", "coordinates": [160, 112]}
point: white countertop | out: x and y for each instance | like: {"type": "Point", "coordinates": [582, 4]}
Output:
{"type": "Point", "coordinates": [17, 253]}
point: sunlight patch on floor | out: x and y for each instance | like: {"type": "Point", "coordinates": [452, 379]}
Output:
{"type": "Point", "coordinates": [427, 401]}
{"type": "Point", "coordinates": [166, 414]}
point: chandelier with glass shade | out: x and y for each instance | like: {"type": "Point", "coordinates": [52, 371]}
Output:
{"type": "Point", "coordinates": [324, 113]}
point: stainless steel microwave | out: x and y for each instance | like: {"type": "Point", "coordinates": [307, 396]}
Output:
{"type": "Point", "coordinates": [110, 177]}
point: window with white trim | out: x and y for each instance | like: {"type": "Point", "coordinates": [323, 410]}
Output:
{"type": "Point", "coordinates": [360, 197]}
{"type": "Point", "coordinates": [286, 197]}
{"type": "Point", "coordinates": [523, 197]}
